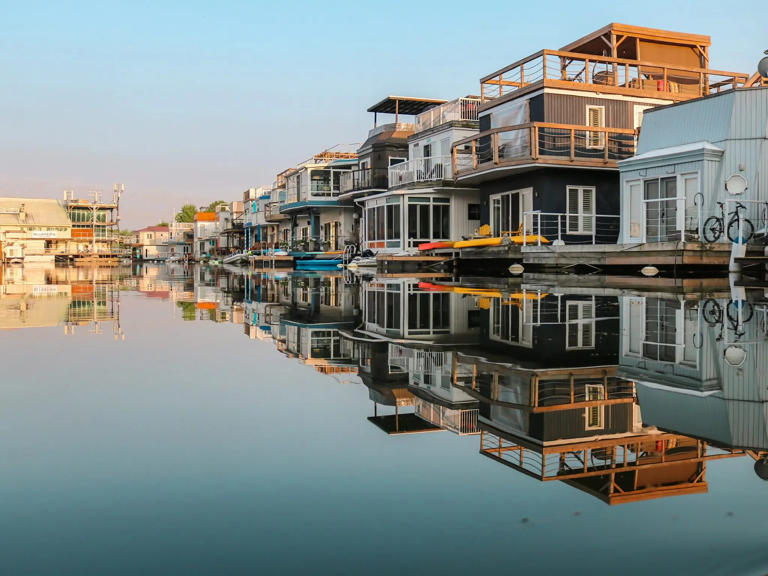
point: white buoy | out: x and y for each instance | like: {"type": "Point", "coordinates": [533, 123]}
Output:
{"type": "Point", "coordinates": [516, 269]}
{"type": "Point", "coordinates": [649, 271]}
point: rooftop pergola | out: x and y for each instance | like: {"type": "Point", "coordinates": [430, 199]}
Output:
{"type": "Point", "coordinates": [407, 105]}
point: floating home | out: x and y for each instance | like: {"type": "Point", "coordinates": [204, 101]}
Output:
{"type": "Point", "coordinates": [404, 182]}
{"type": "Point", "coordinates": [319, 220]}
{"type": "Point", "coordinates": [694, 157]}
{"type": "Point", "coordinates": [554, 125]}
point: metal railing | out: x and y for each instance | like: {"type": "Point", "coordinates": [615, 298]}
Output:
{"type": "Point", "coordinates": [570, 69]}
{"type": "Point", "coordinates": [570, 228]}
{"type": "Point", "coordinates": [272, 212]}
{"type": "Point", "coordinates": [364, 179]}
{"type": "Point", "coordinates": [430, 169]}
{"type": "Point", "coordinates": [459, 109]}
{"type": "Point", "coordinates": [543, 142]}
{"type": "Point", "coordinates": [458, 420]}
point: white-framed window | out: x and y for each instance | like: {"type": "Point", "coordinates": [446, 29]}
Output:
{"type": "Point", "coordinates": [594, 416]}
{"type": "Point", "coordinates": [580, 203]}
{"type": "Point", "coordinates": [394, 160]}
{"type": "Point", "coordinates": [596, 119]}
{"type": "Point", "coordinates": [580, 325]}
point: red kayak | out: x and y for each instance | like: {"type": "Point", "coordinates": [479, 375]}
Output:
{"type": "Point", "coordinates": [435, 245]}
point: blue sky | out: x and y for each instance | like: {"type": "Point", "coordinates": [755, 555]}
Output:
{"type": "Point", "coordinates": [196, 101]}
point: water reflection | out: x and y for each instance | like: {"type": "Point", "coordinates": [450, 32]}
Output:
{"type": "Point", "coordinates": [626, 396]}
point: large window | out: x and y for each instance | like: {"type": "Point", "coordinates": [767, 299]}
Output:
{"type": "Point", "coordinates": [581, 209]}
{"type": "Point", "coordinates": [383, 223]}
{"type": "Point", "coordinates": [429, 218]}
{"type": "Point", "coordinates": [508, 210]}
{"type": "Point", "coordinates": [661, 209]}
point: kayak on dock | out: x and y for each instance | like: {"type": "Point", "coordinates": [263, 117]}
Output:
{"type": "Point", "coordinates": [435, 245]}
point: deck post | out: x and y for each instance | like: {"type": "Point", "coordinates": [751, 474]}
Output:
{"type": "Point", "coordinates": [495, 147]}
{"type": "Point", "coordinates": [535, 142]}
{"type": "Point", "coordinates": [573, 144]}
{"type": "Point", "coordinates": [474, 154]}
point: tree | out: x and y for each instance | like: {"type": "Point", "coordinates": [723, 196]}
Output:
{"type": "Point", "coordinates": [187, 213]}
{"type": "Point", "coordinates": [163, 223]}
{"type": "Point", "coordinates": [212, 205]}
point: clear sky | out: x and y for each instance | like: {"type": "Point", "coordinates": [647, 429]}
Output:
{"type": "Point", "coordinates": [196, 101]}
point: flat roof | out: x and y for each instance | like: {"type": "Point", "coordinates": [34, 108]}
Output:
{"type": "Point", "coordinates": [405, 105]}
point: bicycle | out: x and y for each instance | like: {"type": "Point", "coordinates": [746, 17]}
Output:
{"type": "Point", "coordinates": [714, 225]}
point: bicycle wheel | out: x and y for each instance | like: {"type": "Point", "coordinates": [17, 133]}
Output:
{"type": "Point", "coordinates": [713, 229]}
{"type": "Point", "coordinates": [711, 312]}
{"type": "Point", "coordinates": [747, 231]}
{"type": "Point", "coordinates": [733, 312]}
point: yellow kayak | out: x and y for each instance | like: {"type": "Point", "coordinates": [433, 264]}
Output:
{"type": "Point", "coordinates": [478, 242]}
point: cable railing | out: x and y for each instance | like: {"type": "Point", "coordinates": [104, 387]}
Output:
{"type": "Point", "coordinates": [543, 142]}
{"type": "Point", "coordinates": [456, 110]}
{"type": "Point", "coordinates": [430, 169]}
{"type": "Point", "coordinates": [570, 228]}
{"type": "Point", "coordinates": [571, 69]}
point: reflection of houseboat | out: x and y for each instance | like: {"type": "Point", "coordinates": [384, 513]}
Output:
{"type": "Point", "coordinates": [318, 307]}
{"type": "Point", "coordinates": [699, 367]}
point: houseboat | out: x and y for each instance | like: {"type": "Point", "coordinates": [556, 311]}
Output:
{"type": "Point", "coordinates": [699, 176]}
{"type": "Point", "coordinates": [555, 125]}
{"type": "Point", "coordinates": [421, 203]}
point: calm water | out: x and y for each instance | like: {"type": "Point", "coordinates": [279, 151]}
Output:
{"type": "Point", "coordinates": [169, 420]}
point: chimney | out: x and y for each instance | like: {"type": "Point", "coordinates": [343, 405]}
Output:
{"type": "Point", "coordinates": [22, 214]}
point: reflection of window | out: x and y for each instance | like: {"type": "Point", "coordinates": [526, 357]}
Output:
{"type": "Point", "coordinates": [325, 344]}
{"type": "Point", "coordinates": [594, 414]}
{"type": "Point", "coordinates": [580, 323]}
{"type": "Point", "coordinates": [581, 209]}
{"type": "Point", "coordinates": [429, 313]}
{"type": "Point", "coordinates": [511, 322]}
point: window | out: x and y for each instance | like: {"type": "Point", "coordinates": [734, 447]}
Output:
{"type": "Point", "coordinates": [394, 160]}
{"type": "Point", "coordinates": [596, 119]}
{"type": "Point", "coordinates": [581, 209]}
{"type": "Point", "coordinates": [580, 324]}
{"type": "Point", "coordinates": [635, 192]}
{"type": "Point", "coordinates": [594, 415]}
{"type": "Point", "coordinates": [661, 209]}
{"type": "Point", "coordinates": [473, 212]}
{"type": "Point", "coordinates": [428, 219]}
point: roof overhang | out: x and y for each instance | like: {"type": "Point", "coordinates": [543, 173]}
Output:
{"type": "Point", "coordinates": [405, 105]}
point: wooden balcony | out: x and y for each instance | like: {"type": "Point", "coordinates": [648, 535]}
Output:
{"type": "Point", "coordinates": [542, 143]}
{"type": "Point", "coordinates": [606, 75]}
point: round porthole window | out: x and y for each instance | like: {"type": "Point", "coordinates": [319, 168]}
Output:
{"type": "Point", "coordinates": [736, 184]}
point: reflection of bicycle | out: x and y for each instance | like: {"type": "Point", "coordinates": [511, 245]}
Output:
{"type": "Point", "coordinates": [712, 313]}
{"type": "Point", "coordinates": [714, 225]}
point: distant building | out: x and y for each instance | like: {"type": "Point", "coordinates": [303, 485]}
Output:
{"type": "Point", "coordinates": [204, 235]}
{"type": "Point", "coordinates": [152, 242]}
{"type": "Point", "coordinates": [33, 229]}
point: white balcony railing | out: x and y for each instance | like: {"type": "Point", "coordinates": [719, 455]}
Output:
{"type": "Point", "coordinates": [429, 169]}
{"type": "Point", "coordinates": [460, 109]}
